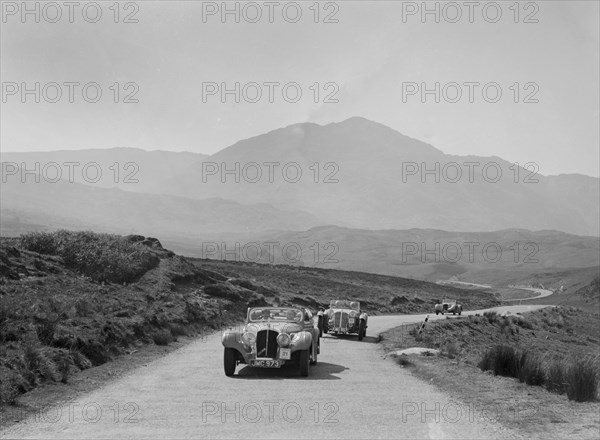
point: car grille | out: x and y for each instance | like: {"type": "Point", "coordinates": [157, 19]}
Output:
{"type": "Point", "coordinates": [266, 339]}
{"type": "Point", "coordinates": [340, 320]}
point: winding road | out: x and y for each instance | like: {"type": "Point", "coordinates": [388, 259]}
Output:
{"type": "Point", "coordinates": [351, 393]}
{"type": "Point", "coordinates": [541, 293]}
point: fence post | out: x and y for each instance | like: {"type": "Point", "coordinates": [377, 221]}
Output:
{"type": "Point", "coordinates": [423, 324]}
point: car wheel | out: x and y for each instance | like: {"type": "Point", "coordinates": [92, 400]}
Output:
{"type": "Point", "coordinates": [229, 362]}
{"type": "Point", "coordinates": [459, 312]}
{"type": "Point", "coordinates": [304, 362]}
{"type": "Point", "coordinates": [325, 324]}
{"type": "Point", "coordinates": [437, 312]}
{"type": "Point", "coordinates": [320, 325]}
{"type": "Point", "coordinates": [362, 329]}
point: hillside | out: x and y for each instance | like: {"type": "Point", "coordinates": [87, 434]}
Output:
{"type": "Point", "coordinates": [73, 300]}
{"type": "Point", "coordinates": [513, 257]}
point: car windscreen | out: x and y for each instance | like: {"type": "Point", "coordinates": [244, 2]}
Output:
{"type": "Point", "coordinates": [341, 304]}
{"type": "Point", "coordinates": [275, 314]}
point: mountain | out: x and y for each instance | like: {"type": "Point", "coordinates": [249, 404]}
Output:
{"type": "Point", "coordinates": [356, 173]}
{"type": "Point", "coordinates": [44, 205]}
{"type": "Point", "coordinates": [371, 176]}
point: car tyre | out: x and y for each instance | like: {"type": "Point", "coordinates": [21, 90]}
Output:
{"type": "Point", "coordinates": [229, 361]}
{"type": "Point", "coordinates": [362, 329]}
{"type": "Point", "coordinates": [321, 320]}
{"type": "Point", "coordinates": [313, 359]}
{"type": "Point", "coordinates": [437, 312]}
{"type": "Point", "coordinates": [304, 362]}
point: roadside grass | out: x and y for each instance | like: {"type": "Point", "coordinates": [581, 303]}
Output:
{"type": "Point", "coordinates": [64, 308]}
{"type": "Point", "coordinates": [554, 348]}
{"type": "Point", "coordinates": [102, 257]}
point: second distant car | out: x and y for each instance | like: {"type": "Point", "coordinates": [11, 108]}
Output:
{"type": "Point", "coordinates": [345, 317]}
{"type": "Point", "coordinates": [448, 306]}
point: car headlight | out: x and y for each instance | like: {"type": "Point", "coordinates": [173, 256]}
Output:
{"type": "Point", "coordinates": [353, 315]}
{"type": "Point", "coordinates": [283, 339]}
{"type": "Point", "coordinates": [248, 338]}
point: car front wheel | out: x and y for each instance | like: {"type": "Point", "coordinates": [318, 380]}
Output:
{"type": "Point", "coordinates": [304, 362]}
{"type": "Point", "coordinates": [362, 329]}
{"type": "Point", "coordinates": [229, 362]}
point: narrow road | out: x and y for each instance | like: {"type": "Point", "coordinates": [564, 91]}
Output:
{"type": "Point", "coordinates": [351, 393]}
{"type": "Point", "coordinates": [541, 293]}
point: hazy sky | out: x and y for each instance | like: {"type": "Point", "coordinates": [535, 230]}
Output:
{"type": "Point", "coordinates": [369, 56]}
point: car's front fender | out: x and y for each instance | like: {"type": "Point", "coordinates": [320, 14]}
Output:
{"type": "Point", "coordinates": [302, 341]}
{"type": "Point", "coordinates": [364, 316]}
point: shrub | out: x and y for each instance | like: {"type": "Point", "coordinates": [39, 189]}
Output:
{"type": "Point", "coordinates": [83, 307]}
{"type": "Point", "coordinates": [452, 350]}
{"type": "Point", "coordinates": [506, 326]}
{"type": "Point", "coordinates": [9, 390]}
{"type": "Point", "coordinates": [523, 323]}
{"type": "Point", "coordinates": [162, 337]}
{"type": "Point", "coordinates": [46, 329]}
{"type": "Point", "coordinates": [582, 381]}
{"type": "Point", "coordinates": [177, 330]}
{"type": "Point", "coordinates": [40, 242]}
{"type": "Point", "coordinates": [37, 364]}
{"type": "Point", "coordinates": [102, 257]}
{"type": "Point", "coordinates": [492, 317]}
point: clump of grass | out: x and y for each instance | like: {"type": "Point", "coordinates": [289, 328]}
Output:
{"type": "Point", "coordinates": [579, 379]}
{"type": "Point", "coordinates": [582, 380]}
{"type": "Point", "coordinates": [502, 360]}
{"type": "Point", "coordinates": [529, 369]}
{"type": "Point", "coordinates": [555, 378]}
{"type": "Point", "coordinates": [403, 361]}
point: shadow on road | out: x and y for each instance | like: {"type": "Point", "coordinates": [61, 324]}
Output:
{"type": "Point", "coordinates": [320, 371]}
{"type": "Point", "coordinates": [335, 338]}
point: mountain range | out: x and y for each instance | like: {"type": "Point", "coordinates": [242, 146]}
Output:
{"type": "Point", "coordinates": [357, 183]}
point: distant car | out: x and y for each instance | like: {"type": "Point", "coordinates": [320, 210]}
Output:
{"type": "Point", "coordinates": [448, 306]}
{"type": "Point", "coordinates": [345, 317]}
{"type": "Point", "coordinates": [271, 338]}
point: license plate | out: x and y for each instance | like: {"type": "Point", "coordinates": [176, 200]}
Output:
{"type": "Point", "coordinates": [265, 363]}
{"type": "Point", "coordinates": [285, 353]}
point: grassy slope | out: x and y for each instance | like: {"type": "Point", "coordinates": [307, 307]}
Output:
{"type": "Point", "coordinates": [62, 313]}
{"type": "Point", "coordinates": [559, 334]}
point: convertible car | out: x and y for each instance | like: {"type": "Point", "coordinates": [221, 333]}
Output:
{"type": "Point", "coordinates": [448, 306]}
{"type": "Point", "coordinates": [344, 317]}
{"type": "Point", "coordinates": [272, 337]}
